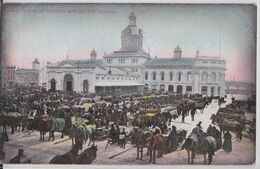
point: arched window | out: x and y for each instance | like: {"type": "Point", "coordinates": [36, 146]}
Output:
{"type": "Point", "coordinates": [154, 75]}
{"type": "Point", "coordinates": [146, 76]}
{"type": "Point", "coordinates": [162, 76]}
{"type": "Point", "coordinates": [204, 77]}
{"type": "Point", "coordinates": [204, 90]}
{"type": "Point", "coordinates": [170, 88]}
{"type": "Point", "coordinates": [213, 77]}
{"type": "Point", "coordinates": [179, 76]}
{"type": "Point", "coordinates": [171, 76]}
{"type": "Point", "coordinates": [189, 77]}
{"type": "Point", "coordinates": [162, 87]}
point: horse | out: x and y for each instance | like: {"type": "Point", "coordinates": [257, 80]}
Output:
{"type": "Point", "coordinates": [139, 139]}
{"type": "Point", "coordinates": [87, 156]}
{"type": "Point", "coordinates": [84, 132]}
{"type": "Point", "coordinates": [194, 145]}
{"type": "Point", "coordinates": [69, 157]}
{"type": "Point", "coordinates": [200, 105]}
{"type": "Point", "coordinates": [153, 143]}
{"type": "Point", "coordinates": [47, 125]}
{"type": "Point", "coordinates": [228, 124]}
{"type": "Point", "coordinates": [173, 143]}
{"type": "Point", "coordinates": [11, 121]}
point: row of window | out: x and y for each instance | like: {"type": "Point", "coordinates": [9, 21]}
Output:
{"type": "Point", "coordinates": [213, 77]}
{"type": "Point", "coordinates": [131, 42]}
{"type": "Point", "coordinates": [114, 78]}
{"type": "Point", "coordinates": [212, 62]}
{"type": "Point", "coordinates": [162, 76]}
{"type": "Point", "coordinates": [122, 61]}
{"type": "Point", "coordinates": [134, 69]}
{"type": "Point", "coordinates": [204, 77]}
{"type": "Point", "coordinates": [179, 89]}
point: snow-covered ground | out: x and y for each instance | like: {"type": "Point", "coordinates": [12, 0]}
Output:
{"type": "Point", "coordinates": [42, 151]}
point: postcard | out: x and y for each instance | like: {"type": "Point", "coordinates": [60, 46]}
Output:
{"type": "Point", "coordinates": [128, 84]}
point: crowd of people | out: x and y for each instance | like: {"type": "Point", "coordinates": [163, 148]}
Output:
{"type": "Point", "coordinates": [101, 111]}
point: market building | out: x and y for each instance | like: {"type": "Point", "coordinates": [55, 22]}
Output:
{"type": "Point", "coordinates": [131, 69]}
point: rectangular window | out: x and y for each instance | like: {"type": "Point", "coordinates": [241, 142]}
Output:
{"type": "Point", "coordinates": [121, 60]}
{"type": "Point", "coordinates": [146, 75]}
{"type": "Point", "coordinates": [134, 60]}
{"type": "Point", "coordinates": [109, 60]}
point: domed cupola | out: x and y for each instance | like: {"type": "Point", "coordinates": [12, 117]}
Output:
{"type": "Point", "coordinates": [177, 52]}
{"type": "Point", "coordinates": [132, 19]}
{"type": "Point", "coordinates": [131, 36]}
{"type": "Point", "coordinates": [93, 54]}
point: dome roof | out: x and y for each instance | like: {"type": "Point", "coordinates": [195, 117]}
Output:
{"type": "Point", "coordinates": [132, 30]}
{"type": "Point", "coordinates": [36, 61]}
{"type": "Point", "coordinates": [93, 52]}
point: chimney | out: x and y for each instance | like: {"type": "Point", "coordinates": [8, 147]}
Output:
{"type": "Point", "coordinates": [197, 53]}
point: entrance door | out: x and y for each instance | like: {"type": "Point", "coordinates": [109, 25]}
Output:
{"type": "Point", "coordinates": [69, 86]}
{"type": "Point", "coordinates": [179, 89]}
{"type": "Point", "coordinates": [85, 86]}
{"type": "Point", "coordinates": [53, 84]}
{"type": "Point", "coordinates": [68, 83]}
{"type": "Point", "coordinates": [212, 91]}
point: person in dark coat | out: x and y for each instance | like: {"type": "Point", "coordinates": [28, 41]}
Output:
{"type": "Point", "coordinates": [209, 130]}
{"type": "Point", "coordinates": [227, 145]}
{"type": "Point", "coordinates": [117, 132]}
{"type": "Point", "coordinates": [192, 113]}
{"type": "Point", "coordinates": [112, 133]}
{"type": "Point", "coordinates": [172, 138]}
{"type": "Point", "coordinates": [183, 113]}
{"type": "Point", "coordinates": [122, 138]}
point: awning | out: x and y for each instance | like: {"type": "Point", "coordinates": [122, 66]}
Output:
{"type": "Point", "coordinates": [112, 84]}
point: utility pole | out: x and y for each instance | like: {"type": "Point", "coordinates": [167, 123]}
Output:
{"type": "Point", "coordinates": [219, 45]}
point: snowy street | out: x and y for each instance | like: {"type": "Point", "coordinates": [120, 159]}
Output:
{"type": "Point", "coordinates": [43, 151]}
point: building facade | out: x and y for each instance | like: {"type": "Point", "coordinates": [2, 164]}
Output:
{"type": "Point", "coordinates": [239, 87]}
{"type": "Point", "coordinates": [132, 69]}
{"type": "Point", "coordinates": [7, 76]}
{"type": "Point", "coordinates": [201, 74]}
{"type": "Point", "coordinates": [28, 77]}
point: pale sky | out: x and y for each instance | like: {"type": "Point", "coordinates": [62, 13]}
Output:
{"type": "Point", "coordinates": [50, 32]}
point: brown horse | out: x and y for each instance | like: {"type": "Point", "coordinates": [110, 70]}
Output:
{"type": "Point", "coordinates": [46, 125]}
{"type": "Point", "coordinates": [228, 124]}
{"type": "Point", "coordinates": [194, 145]}
{"type": "Point", "coordinates": [87, 156]}
{"type": "Point", "coordinates": [13, 122]}
{"type": "Point", "coordinates": [69, 157]}
{"type": "Point", "coordinates": [155, 142]}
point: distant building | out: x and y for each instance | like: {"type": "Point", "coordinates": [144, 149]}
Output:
{"type": "Point", "coordinates": [131, 69]}
{"type": "Point", "coordinates": [28, 77]}
{"type": "Point", "coordinates": [240, 87]}
{"type": "Point", "coordinates": [7, 76]}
